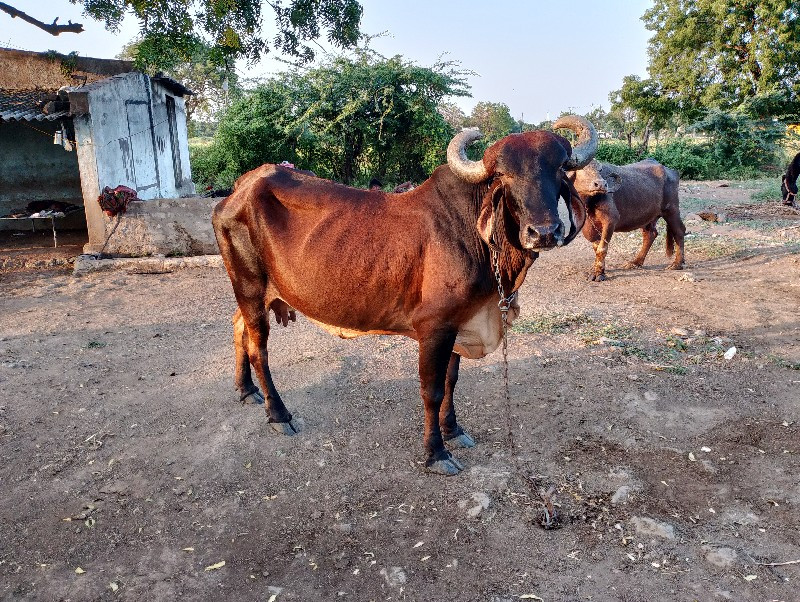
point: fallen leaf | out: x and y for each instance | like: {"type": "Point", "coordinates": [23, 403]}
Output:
{"type": "Point", "coordinates": [531, 597]}
{"type": "Point", "coordinates": [188, 549]}
{"type": "Point", "coordinates": [79, 571]}
{"type": "Point", "coordinates": [750, 577]}
{"type": "Point", "coordinates": [418, 544]}
{"type": "Point", "coordinates": [705, 449]}
{"type": "Point", "coordinates": [424, 558]}
{"type": "Point", "coordinates": [214, 567]}
{"type": "Point", "coordinates": [272, 598]}
{"type": "Point", "coordinates": [113, 585]}
{"type": "Point", "coordinates": [691, 457]}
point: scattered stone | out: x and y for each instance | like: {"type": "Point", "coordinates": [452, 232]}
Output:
{"type": "Point", "coordinates": [699, 333]}
{"type": "Point", "coordinates": [633, 377]}
{"type": "Point", "coordinates": [621, 495]}
{"type": "Point", "coordinates": [648, 526]}
{"type": "Point", "coordinates": [476, 504]}
{"type": "Point", "coordinates": [691, 217]}
{"type": "Point", "coordinates": [343, 527]}
{"type": "Point", "coordinates": [721, 557]}
{"type": "Point", "coordinates": [730, 353]}
{"type": "Point", "coordinates": [708, 216]}
{"type": "Point", "coordinates": [650, 396]}
{"type": "Point", "coordinates": [394, 577]}
{"type": "Point", "coordinates": [681, 332]}
{"type": "Point", "coordinates": [687, 277]}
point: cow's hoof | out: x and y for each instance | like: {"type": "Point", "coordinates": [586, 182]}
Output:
{"type": "Point", "coordinates": [284, 428]}
{"type": "Point", "coordinates": [448, 467]}
{"type": "Point", "coordinates": [462, 440]}
{"type": "Point", "coordinates": [632, 265]}
{"type": "Point", "coordinates": [255, 398]}
{"type": "Point", "coordinates": [674, 266]}
{"type": "Point", "coordinates": [598, 277]}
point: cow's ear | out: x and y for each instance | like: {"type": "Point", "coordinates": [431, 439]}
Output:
{"type": "Point", "coordinates": [613, 181]}
{"type": "Point", "coordinates": [486, 220]}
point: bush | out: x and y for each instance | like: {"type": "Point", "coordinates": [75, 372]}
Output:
{"type": "Point", "coordinates": [692, 161]}
{"type": "Point", "coordinates": [617, 153]}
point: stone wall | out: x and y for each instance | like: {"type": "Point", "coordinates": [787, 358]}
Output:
{"type": "Point", "coordinates": [171, 227]}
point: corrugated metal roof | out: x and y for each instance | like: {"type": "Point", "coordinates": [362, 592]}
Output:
{"type": "Point", "coordinates": [27, 105]}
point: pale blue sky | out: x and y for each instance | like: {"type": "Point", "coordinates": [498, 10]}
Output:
{"type": "Point", "coordinates": [539, 57]}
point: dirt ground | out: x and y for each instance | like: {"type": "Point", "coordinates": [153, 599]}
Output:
{"type": "Point", "coordinates": [128, 470]}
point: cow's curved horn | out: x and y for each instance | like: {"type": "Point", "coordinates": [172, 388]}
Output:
{"type": "Point", "coordinates": [466, 169]}
{"type": "Point", "coordinates": [586, 144]}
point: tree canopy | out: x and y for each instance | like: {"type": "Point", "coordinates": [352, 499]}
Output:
{"type": "Point", "coordinates": [172, 30]}
{"type": "Point", "coordinates": [722, 53]}
{"type": "Point", "coordinates": [350, 119]}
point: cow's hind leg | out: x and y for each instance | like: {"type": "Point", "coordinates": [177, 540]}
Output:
{"type": "Point", "coordinates": [451, 430]}
{"type": "Point", "coordinates": [256, 318]}
{"type": "Point", "coordinates": [676, 232]}
{"type": "Point", "coordinates": [248, 391]}
{"type": "Point", "coordinates": [435, 352]}
{"type": "Point", "coordinates": [649, 234]}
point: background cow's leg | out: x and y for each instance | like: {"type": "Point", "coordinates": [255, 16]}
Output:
{"type": "Point", "coordinates": [649, 234]}
{"type": "Point", "coordinates": [598, 273]}
{"type": "Point", "coordinates": [451, 430]}
{"type": "Point", "coordinates": [676, 230]}
{"type": "Point", "coordinates": [435, 352]}
{"type": "Point", "coordinates": [248, 391]}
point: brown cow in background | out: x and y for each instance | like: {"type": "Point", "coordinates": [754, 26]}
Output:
{"type": "Point", "coordinates": [430, 264]}
{"type": "Point", "coordinates": [625, 198]}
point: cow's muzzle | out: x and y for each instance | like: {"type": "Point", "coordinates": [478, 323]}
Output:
{"type": "Point", "coordinates": [542, 237]}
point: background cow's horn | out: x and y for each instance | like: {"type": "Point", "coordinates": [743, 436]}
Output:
{"type": "Point", "coordinates": [585, 146]}
{"type": "Point", "coordinates": [471, 171]}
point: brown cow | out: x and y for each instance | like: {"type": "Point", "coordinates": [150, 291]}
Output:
{"type": "Point", "coordinates": [421, 264]}
{"type": "Point", "coordinates": [625, 198]}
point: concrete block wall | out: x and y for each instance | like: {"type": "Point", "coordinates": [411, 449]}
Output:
{"type": "Point", "coordinates": [171, 227]}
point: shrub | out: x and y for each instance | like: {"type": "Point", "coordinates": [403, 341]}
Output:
{"type": "Point", "coordinates": [617, 153]}
{"type": "Point", "coordinates": [692, 161]}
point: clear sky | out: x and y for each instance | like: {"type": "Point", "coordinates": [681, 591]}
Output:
{"type": "Point", "coordinates": [539, 57]}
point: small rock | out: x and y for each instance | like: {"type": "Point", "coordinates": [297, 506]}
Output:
{"type": "Point", "coordinates": [633, 377]}
{"type": "Point", "coordinates": [699, 333]}
{"type": "Point", "coordinates": [730, 353]}
{"type": "Point", "coordinates": [650, 396]}
{"type": "Point", "coordinates": [721, 557]}
{"type": "Point", "coordinates": [394, 577]}
{"type": "Point", "coordinates": [691, 217]}
{"type": "Point", "coordinates": [647, 526]}
{"type": "Point", "coordinates": [343, 527]}
{"type": "Point", "coordinates": [477, 503]}
{"type": "Point", "coordinates": [621, 495]}
{"type": "Point", "coordinates": [687, 277]}
{"type": "Point", "coordinates": [708, 216]}
{"type": "Point", "coordinates": [681, 332]}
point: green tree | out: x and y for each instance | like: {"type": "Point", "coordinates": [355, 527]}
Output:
{"type": "Point", "coordinates": [721, 53]}
{"type": "Point", "coordinates": [172, 30]}
{"type": "Point", "coordinates": [493, 119]}
{"type": "Point", "coordinates": [641, 105]}
{"type": "Point", "coordinates": [350, 119]}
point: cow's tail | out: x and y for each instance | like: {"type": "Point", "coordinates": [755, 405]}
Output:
{"type": "Point", "coordinates": [670, 244]}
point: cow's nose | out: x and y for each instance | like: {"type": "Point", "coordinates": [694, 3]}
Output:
{"type": "Point", "coordinates": [599, 185]}
{"type": "Point", "coordinates": [543, 236]}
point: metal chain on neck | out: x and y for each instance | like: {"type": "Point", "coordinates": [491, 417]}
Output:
{"type": "Point", "coordinates": [505, 304]}
{"type": "Point", "coordinates": [549, 518]}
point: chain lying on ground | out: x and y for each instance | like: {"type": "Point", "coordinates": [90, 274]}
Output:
{"type": "Point", "coordinates": [549, 518]}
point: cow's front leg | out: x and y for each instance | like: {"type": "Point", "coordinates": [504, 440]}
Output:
{"type": "Point", "coordinates": [435, 351]}
{"type": "Point", "coordinates": [598, 273]}
{"type": "Point", "coordinates": [451, 430]}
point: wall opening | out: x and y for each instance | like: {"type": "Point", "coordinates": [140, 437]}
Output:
{"type": "Point", "coordinates": [173, 139]}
